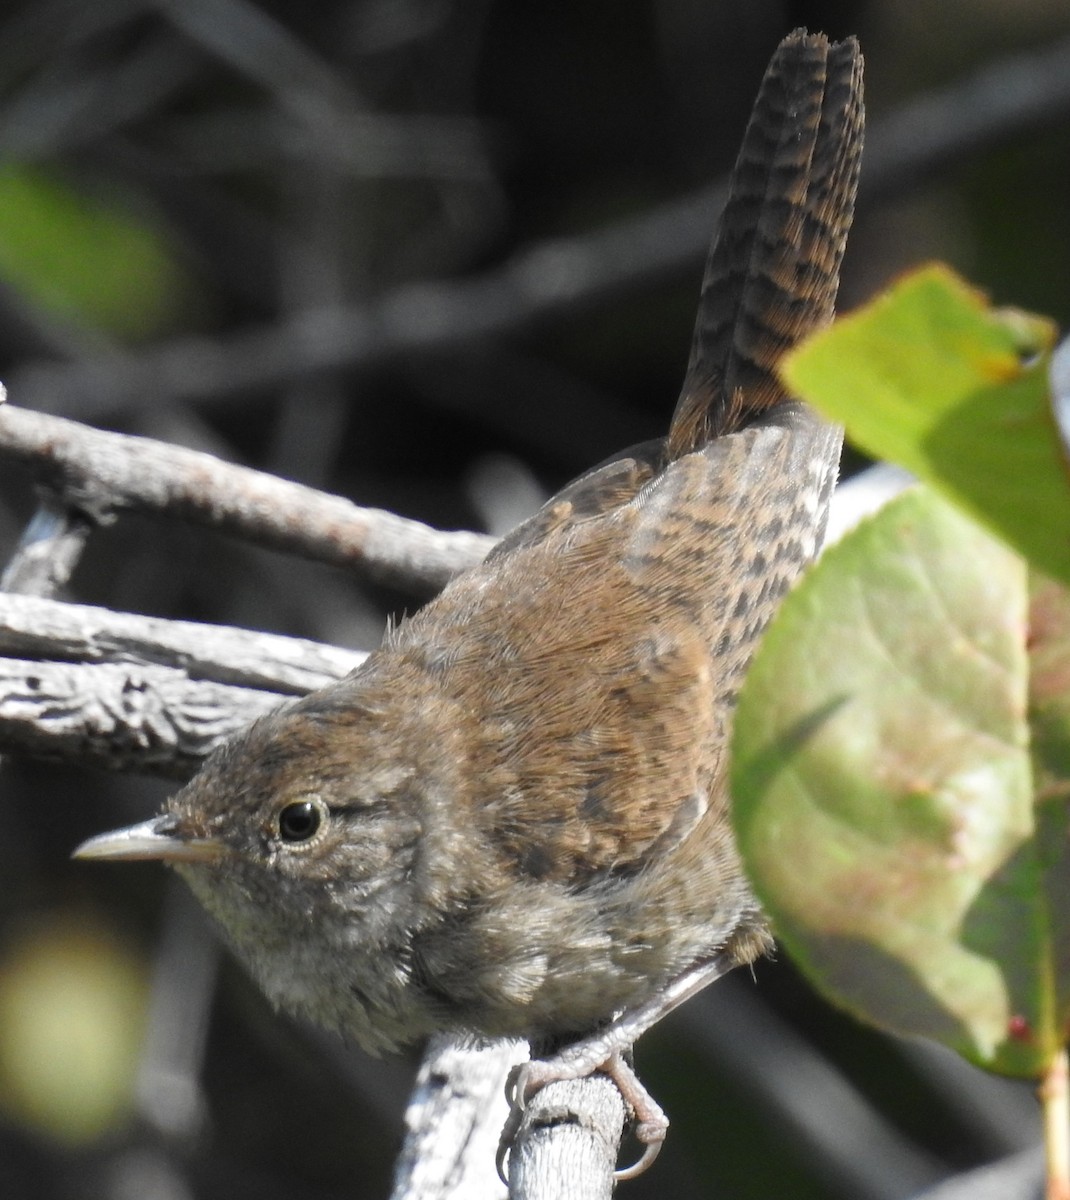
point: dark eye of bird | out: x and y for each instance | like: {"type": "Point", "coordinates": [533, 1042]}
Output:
{"type": "Point", "coordinates": [300, 821]}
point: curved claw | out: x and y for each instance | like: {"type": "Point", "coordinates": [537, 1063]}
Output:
{"type": "Point", "coordinates": [501, 1155]}
{"type": "Point", "coordinates": [651, 1150]}
{"type": "Point", "coordinates": [518, 1087]}
{"type": "Point", "coordinates": [516, 1095]}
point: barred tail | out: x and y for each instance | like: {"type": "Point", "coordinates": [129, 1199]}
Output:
{"type": "Point", "coordinates": [773, 269]}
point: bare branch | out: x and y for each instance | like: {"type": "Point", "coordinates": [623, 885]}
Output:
{"type": "Point", "coordinates": [566, 1148]}
{"type": "Point", "coordinates": [48, 551]}
{"type": "Point", "coordinates": [123, 717]}
{"type": "Point", "coordinates": [101, 472]}
{"type": "Point", "coordinates": [567, 1144]}
{"type": "Point", "coordinates": [49, 629]}
{"type": "Point", "coordinates": [454, 1121]}
{"type": "Point", "coordinates": [212, 679]}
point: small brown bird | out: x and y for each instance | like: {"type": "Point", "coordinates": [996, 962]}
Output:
{"type": "Point", "coordinates": [512, 819]}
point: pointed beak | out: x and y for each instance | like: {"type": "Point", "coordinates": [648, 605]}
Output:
{"type": "Point", "coordinates": [162, 838]}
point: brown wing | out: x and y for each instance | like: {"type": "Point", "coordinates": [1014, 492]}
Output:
{"type": "Point", "coordinates": [618, 644]}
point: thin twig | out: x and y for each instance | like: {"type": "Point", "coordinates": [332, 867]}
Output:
{"type": "Point", "coordinates": [48, 551]}
{"type": "Point", "coordinates": [50, 546]}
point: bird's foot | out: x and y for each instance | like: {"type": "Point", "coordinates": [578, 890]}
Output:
{"type": "Point", "coordinates": [606, 1051]}
{"type": "Point", "coordinates": [577, 1062]}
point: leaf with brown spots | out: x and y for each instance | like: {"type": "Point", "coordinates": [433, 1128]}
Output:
{"type": "Point", "coordinates": [896, 753]}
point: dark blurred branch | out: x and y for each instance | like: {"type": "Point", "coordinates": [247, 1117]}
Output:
{"type": "Point", "coordinates": [327, 118]}
{"type": "Point", "coordinates": [56, 111]}
{"type": "Point", "coordinates": [364, 145]}
{"type": "Point", "coordinates": [809, 1101]}
{"type": "Point", "coordinates": [168, 1089]}
{"type": "Point", "coordinates": [103, 472]}
{"type": "Point", "coordinates": [1017, 1177]}
{"type": "Point", "coordinates": [260, 47]}
{"type": "Point", "coordinates": [939, 129]}
{"type": "Point", "coordinates": [551, 279]}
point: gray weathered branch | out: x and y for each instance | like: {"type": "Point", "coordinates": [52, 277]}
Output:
{"type": "Point", "coordinates": [126, 717]}
{"type": "Point", "coordinates": [136, 693]}
{"type": "Point", "coordinates": [454, 1121]}
{"type": "Point", "coordinates": [49, 629]}
{"type": "Point", "coordinates": [567, 1145]}
{"type": "Point", "coordinates": [104, 472]}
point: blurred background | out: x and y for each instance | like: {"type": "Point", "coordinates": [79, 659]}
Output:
{"type": "Point", "coordinates": [437, 256]}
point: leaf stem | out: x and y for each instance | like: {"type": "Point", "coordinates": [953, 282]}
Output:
{"type": "Point", "coordinates": [1054, 1096]}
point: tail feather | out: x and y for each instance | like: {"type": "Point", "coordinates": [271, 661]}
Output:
{"type": "Point", "coordinates": [773, 269]}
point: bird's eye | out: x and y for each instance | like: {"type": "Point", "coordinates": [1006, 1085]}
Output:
{"type": "Point", "coordinates": [301, 821]}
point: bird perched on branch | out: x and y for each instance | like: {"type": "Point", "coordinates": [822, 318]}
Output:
{"type": "Point", "coordinates": [513, 818]}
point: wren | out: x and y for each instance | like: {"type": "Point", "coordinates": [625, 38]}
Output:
{"type": "Point", "coordinates": [513, 818]}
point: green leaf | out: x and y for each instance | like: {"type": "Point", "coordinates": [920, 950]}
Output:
{"type": "Point", "coordinates": [883, 789]}
{"type": "Point", "coordinates": [72, 1004]}
{"type": "Point", "coordinates": [85, 257]}
{"type": "Point", "coordinates": [930, 377]}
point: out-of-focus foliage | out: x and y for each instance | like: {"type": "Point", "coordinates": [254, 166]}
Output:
{"type": "Point", "coordinates": [87, 258]}
{"type": "Point", "coordinates": [71, 1019]}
